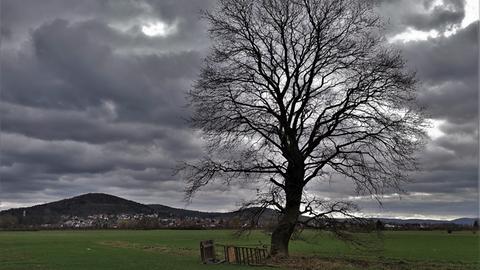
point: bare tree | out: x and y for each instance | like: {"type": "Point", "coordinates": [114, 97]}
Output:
{"type": "Point", "coordinates": [300, 90]}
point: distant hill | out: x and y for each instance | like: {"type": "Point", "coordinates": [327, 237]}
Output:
{"type": "Point", "coordinates": [460, 221]}
{"type": "Point", "coordinates": [82, 206]}
{"type": "Point", "coordinates": [100, 203]}
{"type": "Point", "coordinates": [177, 212]}
{"type": "Point", "coordinates": [464, 221]}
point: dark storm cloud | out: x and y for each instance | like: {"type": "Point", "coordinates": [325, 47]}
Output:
{"type": "Point", "coordinates": [71, 68]}
{"type": "Point", "coordinates": [92, 125]}
{"type": "Point", "coordinates": [89, 103]}
{"type": "Point", "coordinates": [421, 15]}
{"type": "Point", "coordinates": [447, 68]}
{"type": "Point", "coordinates": [439, 17]}
{"type": "Point", "coordinates": [30, 164]}
{"type": "Point", "coordinates": [445, 58]}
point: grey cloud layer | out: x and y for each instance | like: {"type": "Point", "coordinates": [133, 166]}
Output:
{"type": "Point", "coordinates": [421, 15]}
{"type": "Point", "coordinates": [447, 68]}
{"type": "Point", "coordinates": [89, 103]}
{"type": "Point", "coordinates": [68, 67]}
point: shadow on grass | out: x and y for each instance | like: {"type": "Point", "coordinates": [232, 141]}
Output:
{"type": "Point", "coordinates": [315, 262]}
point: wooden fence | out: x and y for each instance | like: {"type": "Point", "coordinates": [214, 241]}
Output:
{"type": "Point", "coordinates": [245, 255]}
{"type": "Point", "coordinates": [216, 253]}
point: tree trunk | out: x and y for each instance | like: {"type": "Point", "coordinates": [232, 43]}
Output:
{"type": "Point", "coordinates": [293, 195]}
{"type": "Point", "coordinates": [282, 233]}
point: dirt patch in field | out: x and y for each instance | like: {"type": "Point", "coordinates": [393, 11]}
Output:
{"type": "Point", "coordinates": [180, 251]}
{"type": "Point", "coordinates": [316, 263]}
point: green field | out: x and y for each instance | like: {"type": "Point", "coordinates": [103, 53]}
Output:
{"type": "Point", "coordinates": [176, 249]}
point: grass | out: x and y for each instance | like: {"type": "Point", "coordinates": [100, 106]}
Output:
{"type": "Point", "coordinates": [175, 249]}
{"type": "Point", "coordinates": [397, 250]}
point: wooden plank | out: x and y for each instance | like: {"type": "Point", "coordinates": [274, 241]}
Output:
{"type": "Point", "coordinates": [232, 254]}
{"type": "Point", "coordinates": [244, 259]}
{"type": "Point", "coordinates": [207, 251]}
{"type": "Point", "coordinates": [237, 253]}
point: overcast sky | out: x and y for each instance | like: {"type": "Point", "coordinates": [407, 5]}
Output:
{"type": "Point", "coordinates": [93, 100]}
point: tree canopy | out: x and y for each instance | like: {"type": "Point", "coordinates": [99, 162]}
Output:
{"type": "Point", "coordinates": [298, 91]}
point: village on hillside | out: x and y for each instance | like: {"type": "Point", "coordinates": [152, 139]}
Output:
{"type": "Point", "coordinates": [158, 221]}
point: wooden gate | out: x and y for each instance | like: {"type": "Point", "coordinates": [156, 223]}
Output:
{"type": "Point", "coordinates": [212, 253]}
{"type": "Point", "coordinates": [244, 255]}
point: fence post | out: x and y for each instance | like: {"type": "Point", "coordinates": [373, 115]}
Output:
{"type": "Point", "coordinates": [207, 251]}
